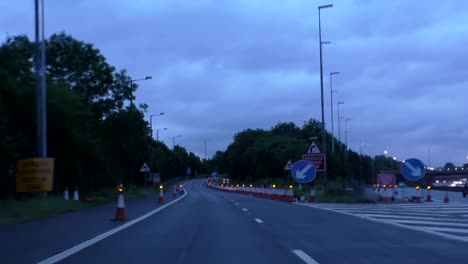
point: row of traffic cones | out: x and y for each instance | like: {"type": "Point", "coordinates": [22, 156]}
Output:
{"type": "Point", "coordinates": [76, 195]}
{"type": "Point", "coordinates": [120, 212]}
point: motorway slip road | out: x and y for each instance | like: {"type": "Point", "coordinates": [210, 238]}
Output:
{"type": "Point", "coordinates": [209, 226]}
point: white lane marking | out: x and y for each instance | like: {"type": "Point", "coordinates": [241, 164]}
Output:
{"type": "Point", "coordinates": [232, 200]}
{"type": "Point", "coordinates": [421, 229]}
{"type": "Point", "coordinates": [306, 258]}
{"type": "Point", "coordinates": [236, 203]}
{"type": "Point", "coordinates": [90, 242]}
{"type": "Point", "coordinates": [404, 217]}
{"type": "Point", "coordinates": [446, 229]}
{"type": "Point", "coordinates": [429, 223]}
{"type": "Point", "coordinates": [244, 209]}
{"type": "Point", "coordinates": [258, 220]}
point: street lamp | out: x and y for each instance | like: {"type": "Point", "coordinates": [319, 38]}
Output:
{"type": "Point", "coordinates": [346, 136]}
{"type": "Point", "coordinates": [321, 88]}
{"type": "Point", "coordinates": [157, 133]}
{"type": "Point", "coordinates": [131, 86]}
{"type": "Point", "coordinates": [151, 122]}
{"type": "Point", "coordinates": [360, 159]}
{"type": "Point", "coordinates": [173, 140]}
{"type": "Point", "coordinates": [339, 121]}
{"type": "Point", "coordinates": [331, 104]}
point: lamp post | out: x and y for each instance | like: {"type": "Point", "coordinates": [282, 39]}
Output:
{"type": "Point", "coordinates": [173, 141]}
{"type": "Point", "coordinates": [360, 159]}
{"type": "Point", "coordinates": [321, 88]}
{"type": "Point", "coordinates": [331, 104]}
{"type": "Point", "coordinates": [346, 136]}
{"type": "Point", "coordinates": [157, 133]}
{"type": "Point", "coordinates": [151, 122]}
{"type": "Point", "coordinates": [339, 122]}
{"type": "Point", "coordinates": [131, 86]}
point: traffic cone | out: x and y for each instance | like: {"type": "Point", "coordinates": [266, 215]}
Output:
{"type": "Point", "coordinates": [120, 212]}
{"type": "Point", "coordinates": [446, 198]}
{"type": "Point", "coordinates": [161, 196]}
{"type": "Point", "coordinates": [174, 194]}
{"type": "Point", "coordinates": [312, 195]}
{"type": "Point", "coordinates": [429, 197]}
{"type": "Point", "coordinates": [66, 195]}
{"type": "Point", "coordinates": [385, 198]}
{"type": "Point", "coordinates": [76, 195]}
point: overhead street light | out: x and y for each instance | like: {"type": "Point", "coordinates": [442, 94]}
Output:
{"type": "Point", "coordinates": [157, 133]}
{"type": "Point", "coordinates": [331, 104]}
{"type": "Point", "coordinates": [151, 122]}
{"type": "Point", "coordinates": [131, 86]}
{"type": "Point", "coordinates": [339, 121]}
{"type": "Point", "coordinates": [321, 87]}
{"type": "Point", "coordinates": [346, 136]}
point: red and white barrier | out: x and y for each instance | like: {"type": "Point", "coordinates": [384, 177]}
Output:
{"type": "Point", "coordinates": [280, 194]}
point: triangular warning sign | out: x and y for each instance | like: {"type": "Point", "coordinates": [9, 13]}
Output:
{"type": "Point", "coordinates": [145, 168]}
{"type": "Point", "coordinates": [313, 149]}
{"type": "Point", "coordinates": [288, 166]}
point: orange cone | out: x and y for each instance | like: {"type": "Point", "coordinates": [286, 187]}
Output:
{"type": "Point", "coordinates": [446, 198]}
{"type": "Point", "coordinates": [312, 195]}
{"type": "Point", "coordinates": [161, 196]}
{"type": "Point", "coordinates": [120, 212]}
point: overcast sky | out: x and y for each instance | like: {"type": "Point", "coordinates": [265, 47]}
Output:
{"type": "Point", "coordinates": [221, 66]}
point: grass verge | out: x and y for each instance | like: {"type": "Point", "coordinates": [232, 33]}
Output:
{"type": "Point", "coordinates": [15, 211]}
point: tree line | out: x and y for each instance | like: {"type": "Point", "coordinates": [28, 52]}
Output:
{"type": "Point", "coordinates": [98, 139]}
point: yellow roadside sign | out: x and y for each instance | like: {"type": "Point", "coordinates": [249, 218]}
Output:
{"type": "Point", "coordinates": [35, 175]}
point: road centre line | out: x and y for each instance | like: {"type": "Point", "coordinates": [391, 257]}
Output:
{"type": "Point", "coordinates": [306, 258]}
{"type": "Point", "coordinates": [258, 220]}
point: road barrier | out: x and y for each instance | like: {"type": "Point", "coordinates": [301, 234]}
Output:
{"type": "Point", "coordinates": [280, 194]}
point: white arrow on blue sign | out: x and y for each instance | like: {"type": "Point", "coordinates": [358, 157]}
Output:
{"type": "Point", "coordinates": [303, 171]}
{"type": "Point", "coordinates": [413, 169]}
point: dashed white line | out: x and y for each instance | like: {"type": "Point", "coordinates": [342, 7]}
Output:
{"type": "Point", "coordinates": [236, 203]}
{"type": "Point", "coordinates": [244, 209]}
{"type": "Point", "coordinates": [258, 220]}
{"type": "Point", "coordinates": [306, 258]}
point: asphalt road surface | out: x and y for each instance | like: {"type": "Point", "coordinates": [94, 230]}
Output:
{"type": "Point", "coordinates": [210, 226]}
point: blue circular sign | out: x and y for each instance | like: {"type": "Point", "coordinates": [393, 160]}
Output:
{"type": "Point", "coordinates": [413, 169]}
{"type": "Point", "coordinates": [303, 171]}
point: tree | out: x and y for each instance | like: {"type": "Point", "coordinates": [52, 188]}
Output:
{"type": "Point", "coordinates": [449, 165]}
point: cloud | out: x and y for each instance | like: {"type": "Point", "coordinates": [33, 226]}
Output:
{"type": "Point", "coordinates": [220, 67]}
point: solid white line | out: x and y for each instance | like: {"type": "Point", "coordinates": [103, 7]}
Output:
{"type": "Point", "coordinates": [244, 209]}
{"type": "Point", "coordinates": [406, 217]}
{"type": "Point", "coordinates": [401, 221]}
{"type": "Point", "coordinates": [306, 258]}
{"type": "Point", "coordinates": [94, 240]}
{"type": "Point", "coordinates": [446, 229]}
{"type": "Point", "coordinates": [258, 220]}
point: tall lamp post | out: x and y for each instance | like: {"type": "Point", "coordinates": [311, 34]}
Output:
{"type": "Point", "coordinates": [157, 133]}
{"type": "Point", "coordinates": [346, 137]}
{"type": "Point", "coordinates": [321, 88]}
{"type": "Point", "coordinates": [173, 140]}
{"type": "Point", "coordinates": [339, 122]}
{"type": "Point", "coordinates": [131, 86]}
{"type": "Point", "coordinates": [331, 104]}
{"type": "Point", "coordinates": [151, 122]}
{"type": "Point", "coordinates": [360, 159]}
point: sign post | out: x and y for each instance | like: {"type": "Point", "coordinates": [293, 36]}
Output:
{"type": "Point", "coordinates": [145, 169]}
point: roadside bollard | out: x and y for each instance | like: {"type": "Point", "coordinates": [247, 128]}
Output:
{"type": "Point", "coordinates": [120, 212]}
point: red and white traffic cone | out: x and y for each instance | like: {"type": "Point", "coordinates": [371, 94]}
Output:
{"type": "Point", "coordinates": [312, 195]}
{"type": "Point", "coordinates": [161, 196]}
{"type": "Point", "coordinates": [446, 198]}
{"type": "Point", "coordinates": [385, 198]}
{"type": "Point", "coordinates": [174, 193]}
{"type": "Point", "coordinates": [76, 195]}
{"type": "Point", "coordinates": [66, 195]}
{"type": "Point", "coordinates": [120, 212]}
{"type": "Point", "coordinates": [429, 197]}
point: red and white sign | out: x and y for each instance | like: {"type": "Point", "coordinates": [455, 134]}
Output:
{"type": "Point", "coordinates": [386, 179]}
{"type": "Point", "coordinates": [317, 159]}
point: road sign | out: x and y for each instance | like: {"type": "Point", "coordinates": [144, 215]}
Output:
{"type": "Point", "coordinates": [288, 165]}
{"type": "Point", "coordinates": [386, 179]}
{"type": "Point", "coordinates": [303, 171]}
{"type": "Point", "coordinates": [313, 149]}
{"type": "Point", "coordinates": [413, 169]}
{"type": "Point", "coordinates": [317, 159]}
{"type": "Point", "coordinates": [145, 168]}
{"type": "Point", "coordinates": [35, 175]}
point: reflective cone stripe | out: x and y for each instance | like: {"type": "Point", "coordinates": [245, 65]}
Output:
{"type": "Point", "coordinates": [120, 213]}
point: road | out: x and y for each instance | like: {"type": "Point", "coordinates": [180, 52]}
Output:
{"type": "Point", "coordinates": [210, 226]}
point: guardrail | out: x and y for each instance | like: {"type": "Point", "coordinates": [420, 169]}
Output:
{"type": "Point", "coordinates": [280, 194]}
